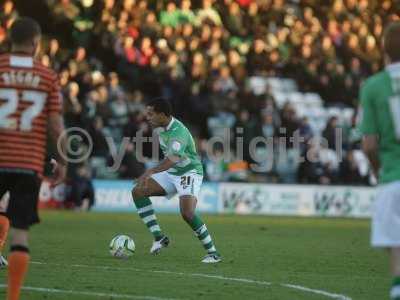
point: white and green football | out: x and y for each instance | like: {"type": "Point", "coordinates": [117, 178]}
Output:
{"type": "Point", "coordinates": [122, 246]}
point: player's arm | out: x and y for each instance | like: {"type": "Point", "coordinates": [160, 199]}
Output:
{"type": "Point", "coordinates": [174, 154]}
{"type": "Point", "coordinates": [370, 148]}
{"type": "Point", "coordinates": [369, 128]}
{"type": "Point", "coordinates": [165, 164]}
{"type": "Point", "coordinates": [55, 129]}
{"type": "Point", "coordinates": [57, 139]}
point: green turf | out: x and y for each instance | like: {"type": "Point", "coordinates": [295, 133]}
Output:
{"type": "Point", "coordinates": [326, 254]}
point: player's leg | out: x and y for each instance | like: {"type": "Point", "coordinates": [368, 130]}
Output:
{"type": "Point", "coordinates": [22, 212]}
{"type": "Point", "coordinates": [141, 197]}
{"type": "Point", "coordinates": [395, 266]}
{"type": "Point", "coordinates": [188, 189]}
{"type": "Point", "coordinates": [4, 225]}
{"type": "Point", "coordinates": [385, 229]}
{"type": "Point", "coordinates": [18, 261]}
{"type": "Point", "coordinates": [157, 185]}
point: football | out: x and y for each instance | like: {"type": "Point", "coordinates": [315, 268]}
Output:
{"type": "Point", "coordinates": [122, 246]}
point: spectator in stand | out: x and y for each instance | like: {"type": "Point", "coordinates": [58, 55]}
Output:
{"type": "Point", "coordinates": [246, 128]}
{"type": "Point", "coordinates": [268, 128]}
{"type": "Point", "coordinates": [72, 105]}
{"type": "Point", "coordinates": [208, 14]}
{"type": "Point", "coordinates": [320, 165]}
{"type": "Point", "coordinates": [98, 133]}
{"type": "Point", "coordinates": [103, 108]}
{"type": "Point", "coordinates": [146, 52]}
{"type": "Point", "coordinates": [305, 130]}
{"type": "Point", "coordinates": [119, 117]}
{"type": "Point", "coordinates": [81, 190]}
{"type": "Point", "coordinates": [81, 61]}
{"type": "Point", "coordinates": [234, 20]}
{"type": "Point", "coordinates": [331, 132]}
{"type": "Point", "coordinates": [257, 64]}
{"type": "Point", "coordinates": [186, 14]}
{"type": "Point", "coordinates": [151, 27]}
{"type": "Point", "coordinates": [289, 123]}
{"type": "Point", "coordinates": [224, 83]}
{"type": "Point", "coordinates": [8, 14]}
{"type": "Point", "coordinates": [115, 90]}
{"type": "Point", "coordinates": [65, 12]}
{"type": "Point", "coordinates": [170, 16]}
{"type": "Point", "coordinates": [55, 54]}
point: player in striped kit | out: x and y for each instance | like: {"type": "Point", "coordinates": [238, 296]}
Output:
{"type": "Point", "coordinates": [30, 106]}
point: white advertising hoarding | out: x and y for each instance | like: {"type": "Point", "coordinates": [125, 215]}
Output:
{"type": "Point", "coordinates": [295, 200]}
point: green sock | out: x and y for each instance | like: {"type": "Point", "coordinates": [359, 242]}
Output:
{"type": "Point", "coordinates": [201, 232]}
{"type": "Point", "coordinates": [146, 213]}
{"type": "Point", "coordinates": [395, 292]}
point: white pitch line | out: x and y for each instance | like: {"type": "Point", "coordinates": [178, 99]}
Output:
{"type": "Point", "coordinates": [243, 280]}
{"type": "Point", "coordinates": [92, 294]}
{"type": "Point", "coordinates": [305, 289]}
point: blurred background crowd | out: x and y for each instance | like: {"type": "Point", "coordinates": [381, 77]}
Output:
{"type": "Point", "coordinates": [259, 65]}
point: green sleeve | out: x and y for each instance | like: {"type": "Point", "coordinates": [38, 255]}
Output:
{"type": "Point", "coordinates": [367, 113]}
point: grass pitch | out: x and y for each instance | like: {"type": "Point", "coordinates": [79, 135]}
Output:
{"type": "Point", "coordinates": [322, 257]}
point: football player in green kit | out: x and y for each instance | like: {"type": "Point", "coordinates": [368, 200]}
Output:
{"type": "Point", "coordinates": [380, 125]}
{"type": "Point", "coordinates": [180, 172]}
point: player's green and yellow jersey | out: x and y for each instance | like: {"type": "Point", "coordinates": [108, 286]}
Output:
{"type": "Point", "coordinates": [177, 140]}
{"type": "Point", "coordinates": [380, 115]}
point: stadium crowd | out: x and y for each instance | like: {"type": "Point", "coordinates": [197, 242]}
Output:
{"type": "Point", "coordinates": [113, 55]}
